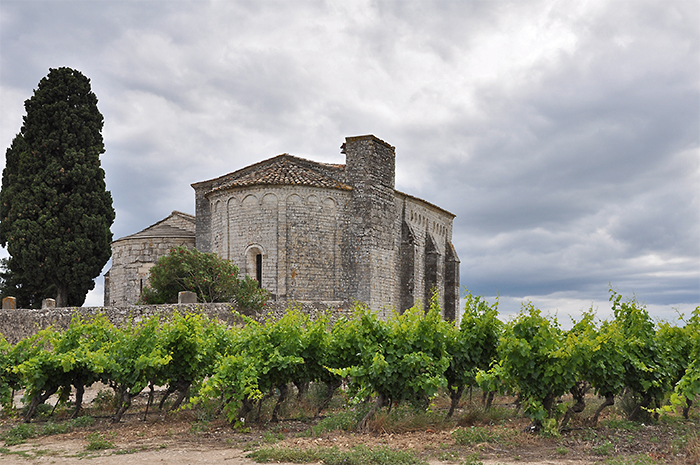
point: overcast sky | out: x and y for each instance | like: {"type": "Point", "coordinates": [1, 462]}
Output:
{"type": "Point", "coordinates": [563, 134]}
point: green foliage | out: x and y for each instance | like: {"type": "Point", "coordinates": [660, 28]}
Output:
{"type": "Point", "coordinates": [6, 378]}
{"type": "Point", "coordinates": [535, 362]}
{"type": "Point", "coordinates": [687, 387]}
{"type": "Point", "coordinates": [599, 355]}
{"type": "Point", "coordinates": [261, 357]}
{"type": "Point", "coordinates": [192, 345]}
{"type": "Point", "coordinates": [135, 357]}
{"type": "Point", "coordinates": [645, 373]}
{"type": "Point", "coordinates": [76, 358]}
{"type": "Point", "coordinates": [55, 211]}
{"type": "Point", "coordinates": [403, 359]}
{"type": "Point", "coordinates": [212, 278]}
{"type": "Point", "coordinates": [472, 347]}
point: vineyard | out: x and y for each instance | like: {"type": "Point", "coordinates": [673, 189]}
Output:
{"type": "Point", "coordinates": [378, 365]}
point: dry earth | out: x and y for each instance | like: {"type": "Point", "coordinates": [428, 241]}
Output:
{"type": "Point", "coordinates": [180, 439]}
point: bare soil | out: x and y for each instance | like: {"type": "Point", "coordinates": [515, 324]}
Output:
{"type": "Point", "coordinates": [180, 438]}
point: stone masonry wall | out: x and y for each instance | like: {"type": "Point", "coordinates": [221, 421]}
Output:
{"type": "Point", "coordinates": [132, 260]}
{"type": "Point", "coordinates": [17, 324]}
{"type": "Point", "coordinates": [296, 229]}
{"type": "Point", "coordinates": [370, 247]}
{"type": "Point", "coordinates": [430, 230]}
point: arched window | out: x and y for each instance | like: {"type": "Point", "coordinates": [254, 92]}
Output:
{"type": "Point", "coordinates": [258, 269]}
{"type": "Point", "coordinates": [254, 256]}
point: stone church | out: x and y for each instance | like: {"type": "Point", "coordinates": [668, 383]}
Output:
{"type": "Point", "coordinates": [309, 231]}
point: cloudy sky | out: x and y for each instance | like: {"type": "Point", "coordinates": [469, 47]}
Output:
{"type": "Point", "coordinates": [563, 134]}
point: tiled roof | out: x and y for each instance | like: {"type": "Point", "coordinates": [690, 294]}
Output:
{"type": "Point", "coordinates": [163, 229]}
{"type": "Point", "coordinates": [286, 170]}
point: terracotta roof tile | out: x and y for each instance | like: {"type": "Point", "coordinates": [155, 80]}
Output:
{"type": "Point", "coordinates": [287, 170]}
{"type": "Point", "coordinates": [163, 230]}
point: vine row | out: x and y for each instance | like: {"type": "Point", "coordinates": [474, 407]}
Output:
{"type": "Point", "coordinates": [406, 359]}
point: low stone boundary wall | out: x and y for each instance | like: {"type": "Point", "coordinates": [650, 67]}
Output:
{"type": "Point", "coordinates": [17, 324]}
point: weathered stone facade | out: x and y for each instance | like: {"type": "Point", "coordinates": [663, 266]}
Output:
{"type": "Point", "coordinates": [133, 256]}
{"type": "Point", "coordinates": [317, 231]}
{"type": "Point", "coordinates": [312, 231]}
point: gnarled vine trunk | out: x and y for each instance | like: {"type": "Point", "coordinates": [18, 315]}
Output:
{"type": "Point", "coordinates": [379, 402]}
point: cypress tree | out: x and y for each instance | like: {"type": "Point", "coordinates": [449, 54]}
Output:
{"type": "Point", "coordinates": [55, 211]}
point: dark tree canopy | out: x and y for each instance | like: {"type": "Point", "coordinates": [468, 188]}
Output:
{"type": "Point", "coordinates": [55, 211]}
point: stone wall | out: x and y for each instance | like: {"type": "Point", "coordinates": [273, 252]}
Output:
{"type": "Point", "coordinates": [132, 260]}
{"type": "Point", "coordinates": [369, 243]}
{"type": "Point", "coordinates": [17, 324]}
{"type": "Point", "coordinates": [133, 257]}
{"type": "Point", "coordinates": [294, 228]}
{"type": "Point", "coordinates": [425, 233]}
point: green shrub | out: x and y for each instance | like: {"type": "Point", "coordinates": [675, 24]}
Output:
{"type": "Point", "coordinates": [212, 278]}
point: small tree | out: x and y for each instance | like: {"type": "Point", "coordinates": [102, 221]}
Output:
{"type": "Point", "coordinates": [212, 278]}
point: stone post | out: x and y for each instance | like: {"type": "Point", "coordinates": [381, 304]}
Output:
{"type": "Point", "coordinates": [9, 303]}
{"type": "Point", "coordinates": [186, 297]}
{"type": "Point", "coordinates": [48, 303]}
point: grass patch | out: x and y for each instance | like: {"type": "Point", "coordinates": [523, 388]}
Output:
{"type": "Point", "coordinates": [473, 459]}
{"type": "Point", "coordinates": [449, 456]}
{"type": "Point", "coordinates": [476, 414]}
{"type": "Point", "coordinates": [272, 437]}
{"type": "Point", "coordinates": [22, 453]}
{"type": "Point", "coordinates": [98, 442]}
{"type": "Point", "coordinates": [274, 454]}
{"type": "Point", "coordinates": [50, 429]}
{"type": "Point", "coordinates": [622, 424]}
{"type": "Point", "coordinates": [345, 420]}
{"type": "Point", "coordinates": [81, 422]}
{"type": "Point", "coordinates": [199, 427]}
{"type": "Point", "coordinates": [478, 435]}
{"type": "Point", "coordinates": [19, 434]}
{"type": "Point", "coordinates": [603, 449]}
{"type": "Point", "coordinates": [23, 431]}
{"type": "Point", "coordinates": [404, 418]}
{"type": "Point", "coordinates": [359, 455]}
{"type": "Point", "coordinates": [125, 451]}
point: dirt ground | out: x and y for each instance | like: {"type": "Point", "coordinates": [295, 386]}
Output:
{"type": "Point", "coordinates": [174, 443]}
{"type": "Point", "coordinates": [179, 438]}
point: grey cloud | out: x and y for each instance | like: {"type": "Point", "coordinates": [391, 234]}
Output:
{"type": "Point", "coordinates": [576, 168]}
